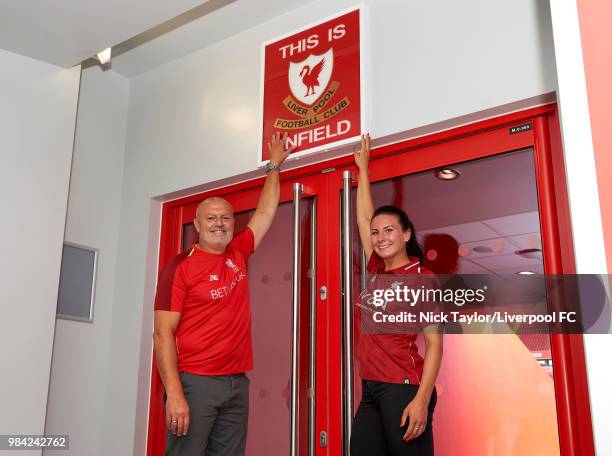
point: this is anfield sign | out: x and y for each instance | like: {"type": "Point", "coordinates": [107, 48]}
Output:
{"type": "Point", "coordinates": [312, 86]}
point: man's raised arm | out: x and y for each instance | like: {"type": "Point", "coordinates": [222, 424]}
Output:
{"type": "Point", "coordinates": [268, 200]}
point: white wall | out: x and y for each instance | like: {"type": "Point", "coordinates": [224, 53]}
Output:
{"type": "Point", "coordinates": [37, 116]}
{"type": "Point", "coordinates": [584, 202]}
{"type": "Point", "coordinates": [80, 352]}
{"type": "Point", "coordinates": [194, 121]}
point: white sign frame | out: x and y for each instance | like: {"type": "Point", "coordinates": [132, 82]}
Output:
{"type": "Point", "coordinates": [363, 48]}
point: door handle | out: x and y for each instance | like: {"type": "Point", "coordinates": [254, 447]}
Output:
{"type": "Point", "coordinates": [347, 288]}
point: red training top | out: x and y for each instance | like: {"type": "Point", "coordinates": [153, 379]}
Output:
{"type": "Point", "coordinates": [211, 291]}
{"type": "Point", "coordinates": [391, 358]}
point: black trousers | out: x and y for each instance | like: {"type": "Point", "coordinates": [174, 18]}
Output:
{"type": "Point", "coordinates": [376, 428]}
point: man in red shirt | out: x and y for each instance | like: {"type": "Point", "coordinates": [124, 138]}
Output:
{"type": "Point", "coordinates": [202, 336]}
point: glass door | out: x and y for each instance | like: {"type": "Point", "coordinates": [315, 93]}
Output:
{"type": "Point", "coordinates": [505, 213]}
{"type": "Point", "coordinates": [481, 204]}
{"type": "Point", "coordinates": [483, 220]}
{"type": "Point", "coordinates": [282, 277]}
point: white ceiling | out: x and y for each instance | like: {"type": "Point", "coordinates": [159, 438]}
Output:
{"type": "Point", "coordinates": [144, 34]}
{"type": "Point", "coordinates": [215, 25]}
{"type": "Point", "coordinates": [493, 206]}
{"type": "Point", "coordinates": [66, 32]}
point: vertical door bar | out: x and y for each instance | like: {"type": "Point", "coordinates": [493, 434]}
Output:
{"type": "Point", "coordinates": [364, 270]}
{"type": "Point", "coordinates": [297, 190]}
{"type": "Point", "coordinates": [348, 308]}
{"type": "Point", "coordinates": [312, 350]}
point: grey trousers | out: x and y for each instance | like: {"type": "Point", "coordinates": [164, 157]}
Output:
{"type": "Point", "coordinates": [218, 416]}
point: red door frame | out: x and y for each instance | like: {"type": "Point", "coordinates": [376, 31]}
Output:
{"type": "Point", "coordinates": [477, 140]}
{"type": "Point", "coordinates": [243, 196]}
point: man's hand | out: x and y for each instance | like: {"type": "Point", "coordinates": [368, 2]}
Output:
{"type": "Point", "coordinates": [268, 200]}
{"type": "Point", "coordinates": [362, 156]}
{"type": "Point", "coordinates": [278, 148]}
{"type": "Point", "coordinates": [177, 414]}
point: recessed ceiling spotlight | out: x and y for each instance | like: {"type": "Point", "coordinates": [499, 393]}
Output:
{"type": "Point", "coordinates": [104, 56]}
{"type": "Point", "coordinates": [447, 174]}
{"type": "Point", "coordinates": [529, 253]}
{"type": "Point", "coordinates": [525, 273]}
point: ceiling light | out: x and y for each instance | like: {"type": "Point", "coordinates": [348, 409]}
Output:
{"type": "Point", "coordinates": [525, 273]}
{"type": "Point", "coordinates": [447, 174]}
{"type": "Point", "coordinates": [104, 56]}
{"type": "Point", "coordinates": [529, 253]}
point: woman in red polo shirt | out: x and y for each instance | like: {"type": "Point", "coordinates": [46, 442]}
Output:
{"type": "Point", "coordinates": [396, 409]}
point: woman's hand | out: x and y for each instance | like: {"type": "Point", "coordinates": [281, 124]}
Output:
{"type": "Point", "coordinates": [362, 156]}
{"type": "Point", "coordinates": [416, 415]}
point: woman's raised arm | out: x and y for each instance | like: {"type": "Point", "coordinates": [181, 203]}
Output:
{"type": "Point", "coordinates": [365, 207]}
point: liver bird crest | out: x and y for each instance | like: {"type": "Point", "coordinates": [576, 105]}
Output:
{"type": "Point", "coordinates": [310, 76]}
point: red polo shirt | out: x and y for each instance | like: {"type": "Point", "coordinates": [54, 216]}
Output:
{"type": "Point", "coordinates": [391, 358]}
{"type": "Point", "coordinates": [211, 291]}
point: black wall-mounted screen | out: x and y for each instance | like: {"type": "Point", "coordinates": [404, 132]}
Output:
{"type": "Point", "coordinates": [77, 283]}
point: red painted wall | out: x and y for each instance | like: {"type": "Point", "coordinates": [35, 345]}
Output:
{"type": "Point", "coordinates": [596, 38]}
